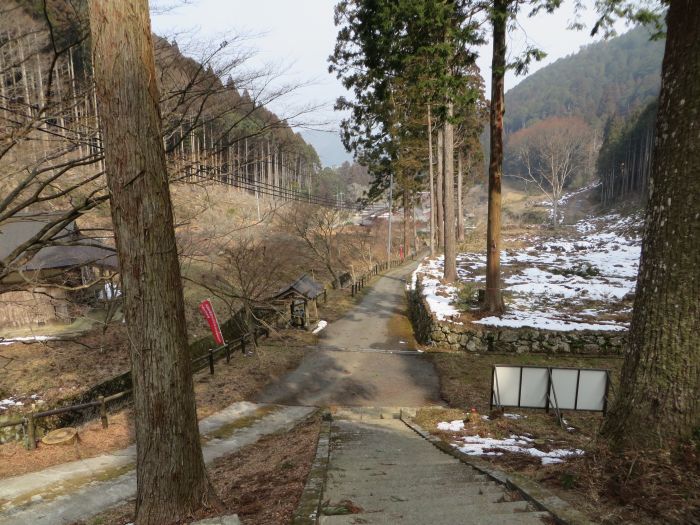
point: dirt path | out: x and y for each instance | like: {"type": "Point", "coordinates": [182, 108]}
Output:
{"type": "Point", "coordinates": [367, 358]}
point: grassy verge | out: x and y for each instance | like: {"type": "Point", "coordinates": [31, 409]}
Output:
{"type": "Point", "coordinates": [611, 488]}
{"type": "Point", "coordinates": [262, 483]}
{"type": "Point", "coordinates": [236, 381]}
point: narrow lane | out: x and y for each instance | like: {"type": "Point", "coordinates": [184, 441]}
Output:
{"type": "Point", "coordinates": [351, 365]}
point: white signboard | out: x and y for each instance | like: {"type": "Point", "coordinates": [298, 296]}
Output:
{"type": "Point", "coordinates": [545, 387]}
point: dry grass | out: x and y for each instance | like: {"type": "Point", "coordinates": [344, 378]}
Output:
{"type": "Point", "coordinates": [262, 483]}
{"type": "Point", "coordinates": [236, 381]}
{"type": "Point", "coordinates": [92, 441]}
{"type": "Point", "coordinates": [642, 487]}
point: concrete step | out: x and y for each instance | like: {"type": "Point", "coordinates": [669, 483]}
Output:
{"type": "Point", "coordinates": [491, 490]}
{"type": "Point", "coordinates": [388, 471]}
{"type": "Point", "coordinates": [353, 483]}
{"type": "Point", "coordinates": [520, 518]}
{"type": "Point", "coordinates": [382, 501]}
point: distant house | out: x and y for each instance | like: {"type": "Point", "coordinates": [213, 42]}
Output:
{"type": "Point", "coordinates": [64, 274]}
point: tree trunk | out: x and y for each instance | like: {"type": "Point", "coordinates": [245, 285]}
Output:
{"type": "Point", "coordinates": [432, 184]}
{"type": "Point", "coordinates": [659, 397]}
{"type": "Point", "coordinates": [440, 213]}
{"type": "Point", "coordinates": [406, 220]}
{"type": "Point", "coordinates": [460, 206]}
{"type": "Point", "coordinates": [450, 270]}
{"type": "Point", "coordinates": [171, 477]}
{"type": "Point", "coordinates": [493, 300]}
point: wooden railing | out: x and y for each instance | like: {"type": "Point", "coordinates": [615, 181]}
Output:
{"type": "Point", "coordinates": [28, 422]}
{"type": "Point", "coordinates": [378, 268]}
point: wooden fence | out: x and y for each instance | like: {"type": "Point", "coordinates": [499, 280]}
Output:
{"type": "Point", "coordinates": [207, 360]}
{"type": "Point", "coordinates": [28, 422]}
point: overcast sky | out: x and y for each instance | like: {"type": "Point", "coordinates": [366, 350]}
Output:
{"type": "Point", "coordinates": [297, 36]}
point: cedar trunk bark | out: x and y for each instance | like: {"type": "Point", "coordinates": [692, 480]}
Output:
{"type": "Point", "coordinates": [659, 397]}
{"type": "Point", "coordinates": [493, 301]}
{"type": "Point", "coordinates": [440, 214]}
{"type": "Point", "coordinates": [432, 184]}
{"type": "Point", "coordinates": [460, 205]}
{"type": "Point", "coordinates": [171, 477]}
{"type": "Point", "coordinates": [448, 195]}
{"type": "Point", "coordinates": [406, 219]}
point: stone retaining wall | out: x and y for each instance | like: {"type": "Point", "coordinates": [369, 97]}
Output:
{"type": "Point", "coordinates": [480, 338]}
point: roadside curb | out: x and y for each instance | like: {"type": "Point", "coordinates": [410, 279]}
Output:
{"type": "Point", "coordinates": [562, 512]}
{"type": "Point", "coordinates": [308, 508]}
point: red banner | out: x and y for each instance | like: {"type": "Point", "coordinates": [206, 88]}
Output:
{"type": "Point", "coordinates": [208, 312]}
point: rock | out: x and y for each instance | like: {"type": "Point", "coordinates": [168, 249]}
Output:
{"type": "Point", "coordinates": [453, 338]}
{"type": "Point", "coordinates": [437, 335]}
{"type": "Point", "coordinates": [508, 336]}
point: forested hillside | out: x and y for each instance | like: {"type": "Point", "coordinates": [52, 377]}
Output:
{"type": "Point", "coordinates": [215, 123]}
{"type": "Point", "coordinates": [602, 79]}
{"type": "Point", "coordinates": [576, 120]}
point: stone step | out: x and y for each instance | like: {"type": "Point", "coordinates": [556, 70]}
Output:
{"type": "Point", "coordinates": [491, 490]}
{"type": "Point", "coordinates": [387, 471]}
{"type": "Point", "coordinates": [518, 518]}
{"type": "Point", "coordinates": [424, 480]}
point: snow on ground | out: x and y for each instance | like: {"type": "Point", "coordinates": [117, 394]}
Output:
{"type": "Point", "coordinates": [486, 446]}
{"type": "Point", "coordinates": [574, 282]}
{"type": "Point", "coordinates": [320, 326]}
{"type": "Point", "coordinates": [439, 296]}
{"type": "Point", "coordinates": [15, 401]}
{"type": "Point", "coordinates": [28, 339]}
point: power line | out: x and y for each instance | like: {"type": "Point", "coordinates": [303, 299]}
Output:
{"type": "Point", "coordinates": [265, 188]}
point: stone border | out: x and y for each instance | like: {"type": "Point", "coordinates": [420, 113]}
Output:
{"type": "Point", "coordinates": [309, 506]}
{"type": "Point", "coordinates": [543, 499]}
{"type": "Point", "coordinates": [473, 337]}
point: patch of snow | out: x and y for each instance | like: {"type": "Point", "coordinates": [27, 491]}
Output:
{"type": "Point", "coordinates": [27, 339]}
{"type": "Point", "coordinates": [320, 326]}
{"type": "Point", "coordinates": [452, 426]}
{"type": "Point", "coordinates": [439, 296]}
{"type": "Point", "coordinates": [478, 446]}
{"type": "Point", "coordinates": [573, 283]}
{"type": "Point", "coordinates": [513, 416]}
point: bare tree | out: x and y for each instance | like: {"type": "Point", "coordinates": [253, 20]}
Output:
{"type": "Point", "coordinates": [319, 228]}
{"type": "Point", "coordinates": [551, 152]}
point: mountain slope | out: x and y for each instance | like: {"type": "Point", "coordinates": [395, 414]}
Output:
{"type": "Point", "coordinates": [602, 79]}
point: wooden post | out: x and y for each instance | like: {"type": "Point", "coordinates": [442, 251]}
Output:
{"type": "Point", "coordinates": [228, 354]}
{"type": "Point", "coordinates": [352, 290]}
{"type": "Point", "coordinates": [103, 412]}
{"type": "Point", "coordinates": [31, 432]}
{"type": "Point", "coordinates": [211, 361]}
{"type": "Point", "coordinates": [243, 344]}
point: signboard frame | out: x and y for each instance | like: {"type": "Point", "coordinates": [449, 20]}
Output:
{"type": "Point", "coordinates": [550, 395]}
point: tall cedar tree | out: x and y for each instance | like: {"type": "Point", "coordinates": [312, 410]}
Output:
{"type": "Point", "coordinates": [659, 397]}
{"type": "Point", "coordinates": [493, 300]}
{"type": "Point", "coordinates": [171, 477]}
{"type": "Point", "coordinates": [501, 12]}
{"type": "Point", "coordinates": [409, 52]}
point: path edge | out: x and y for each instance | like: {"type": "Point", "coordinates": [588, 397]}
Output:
{"type": "Point", "coordinates": [562, 512]}
{"type": "Point", "coordinates": [309, 506]}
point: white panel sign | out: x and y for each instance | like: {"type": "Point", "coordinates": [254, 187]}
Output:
{"type": "Point", "coordinates": [533, 392]}
{"type": "Point", "coordinates": [506, 385]}
{"type": "Point", "coordinates": [569, 388]}
{"type": "Point", "coordinates": [563, 390]}
{"type": "Point", "coordinates": [591, 390]}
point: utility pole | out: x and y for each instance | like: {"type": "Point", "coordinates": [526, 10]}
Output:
{"type": "Point", "coordinates": [388, 241]}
